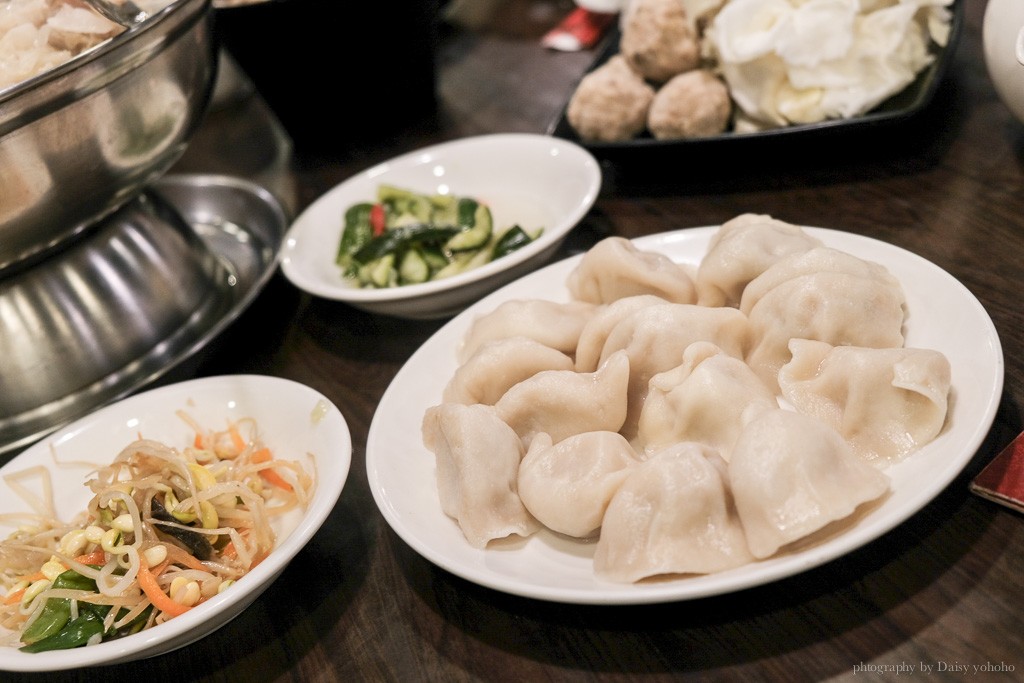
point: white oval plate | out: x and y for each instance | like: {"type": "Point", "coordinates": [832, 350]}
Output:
{"type": "Point", "coordinates": [295, 421]}
{"type": "Point", "coordinates": [942, 314]}
{"type": "Point", "coordinates": [533, 180]}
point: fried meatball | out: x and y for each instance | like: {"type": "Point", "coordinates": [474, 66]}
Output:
{"type": "Point", "coordinates": [611, 102]}
{"type": "Point", "coordinates": [659, 40]}
{"type": "Point", "coordinates": [691, 105]}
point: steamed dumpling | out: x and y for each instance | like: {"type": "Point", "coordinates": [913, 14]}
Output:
{"type": "Point", "coordinates": [562, 403]}
{"type": "Point", "coordinates": [885, 402]}
{"type": "Point", "coordinates": [708, 398]}
{"type": "Point", "coordinates": [655, 337]}
{"type": "Point", "coordinates": [615, 268]}
{"type": "Point", "coordinates": [791, 475]}
{"type": "Point", "coordinates": [567, 485]}
{"type": "Point", "coordinates": [825, 295]}
{"type": "Point", "coordinates": [600, 325]}
{"type": "Point", "coordinates": [811, 262]}
{"type": "Point", "coordinates": [554, 324]}
{"type": "Point", "coordinates": [650, 418]}
{"type": "Point", "coordinates": [499, 364]}
{"type": "Point", "coordinates": [478, 459]}
{"type": "Point", "coordinates": [740, 250]}
{"type": "Point", "coordinates": [672, 515]}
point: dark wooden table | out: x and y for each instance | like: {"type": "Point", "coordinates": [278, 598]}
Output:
{"type": "Point", "coordinates": [945, 588]}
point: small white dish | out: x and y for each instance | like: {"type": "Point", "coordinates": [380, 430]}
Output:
{"type": "Point", "coordinates": [295, 421]}
{"type": "Point", "coordinates": [942, 315]}
{"type": "Point", "coordinates": [533, 180]}
{"type": "Point", "coordinates": [1003, 42]}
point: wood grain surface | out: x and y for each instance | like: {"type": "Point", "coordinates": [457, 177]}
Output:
{"type": "Point", "coordinates": [944, 589]}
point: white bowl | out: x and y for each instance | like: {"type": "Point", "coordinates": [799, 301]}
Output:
{"type": "Point", "coordinates": [293, 419]}
{"type": "Point", "coordinates": [532, 180]}
{"type": "Point", "coordinates": [1003, 42]}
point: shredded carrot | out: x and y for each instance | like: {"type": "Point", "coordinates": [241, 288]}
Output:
{"type": "Point", "coordinates": [191, 563]}
{"type": "Point", "coordinates": [236, 438]}
{"type": "Point", "coordinates": [156, 595]}
{"type": "Point", "coordinates": [274, 478]}
{"type": "Point", "coordinates": [95, 557]}
{"type": "Point", "coordinates": [259, 558]}
{"type": "Point", "coordinates": [198, 442]}
{"type": "Point", "coordinates": [32, 577]}
{"type": "Point", "coordinates": [269, 475]}
{"type": "Point", "coordinates": [230, 551]}
{"type": "Point", "coordinates": [14, 597]}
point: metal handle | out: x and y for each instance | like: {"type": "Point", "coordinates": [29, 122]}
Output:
{"type": "Point", "coordinates": [123, 12]}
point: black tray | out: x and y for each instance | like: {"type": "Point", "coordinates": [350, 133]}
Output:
{"type": "Point", "coordinates": [899, 108]}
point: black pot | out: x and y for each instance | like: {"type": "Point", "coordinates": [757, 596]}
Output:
{"type": "Point", "coordinates": [337, 73]}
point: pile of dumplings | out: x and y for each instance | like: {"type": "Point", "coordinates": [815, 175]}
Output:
{"type": "Point", "coordinates": [689, 420]}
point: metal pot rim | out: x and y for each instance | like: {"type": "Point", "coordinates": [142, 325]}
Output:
{"type": "Point", "coordinates": [85, 73]}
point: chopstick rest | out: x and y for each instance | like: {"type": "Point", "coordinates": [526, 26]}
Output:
{"type": "Point", "coordinates": [1002, 480]}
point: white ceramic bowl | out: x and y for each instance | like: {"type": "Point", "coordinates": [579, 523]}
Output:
{"type": "Point", "coordinates": [533, 180]}
{"type": "Point", "coordinates": [1003, 41]}
{"type": "Point", "coordinates": [294, 421]}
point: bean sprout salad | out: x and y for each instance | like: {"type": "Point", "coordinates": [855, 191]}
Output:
{"type": "Point", "coordinates": [165, 530]}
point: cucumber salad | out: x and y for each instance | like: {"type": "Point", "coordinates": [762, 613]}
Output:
{"type": "Point", "coordinates": [406, 237]}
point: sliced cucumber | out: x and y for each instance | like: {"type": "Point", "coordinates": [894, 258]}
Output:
{"type": "Point", "coordinates": [405, 202]}
{"type": "Point", "coordinates": [480, 257]}
{"type": "Point", "coordinates": [355, 235]}
{"type": "Point", "coordinates": [460, 263]}
{"type": "Point", "coordinates": [434, 257]}
{"type": "Point", "coordinates": [425, 237]}
{"type": "Point", "coordinates": [379, 272]}
{"type": "Point", "coordinates": [402, 238]}
{"type": "Point", "coordinates": [478, 224]}
{"type": "Point", "coordinates": [513, 238]}
{"type": "Point", "coordinates": [413, 268]}
{"type": "Point", "coordinates": [446, 209]}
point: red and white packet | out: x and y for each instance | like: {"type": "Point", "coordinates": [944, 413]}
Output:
{"type": "Point", "coordinates": [579, 30]}
{"type": "Point", "coordinates": [1002, 480]}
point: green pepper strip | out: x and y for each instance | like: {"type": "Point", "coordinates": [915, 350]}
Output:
{"type": "Point", "coordinates": [55, 630]}
{"type": "Point", "coordinates": [75, 634]}
{"type": "Point", "coordinates": [57, 611]}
